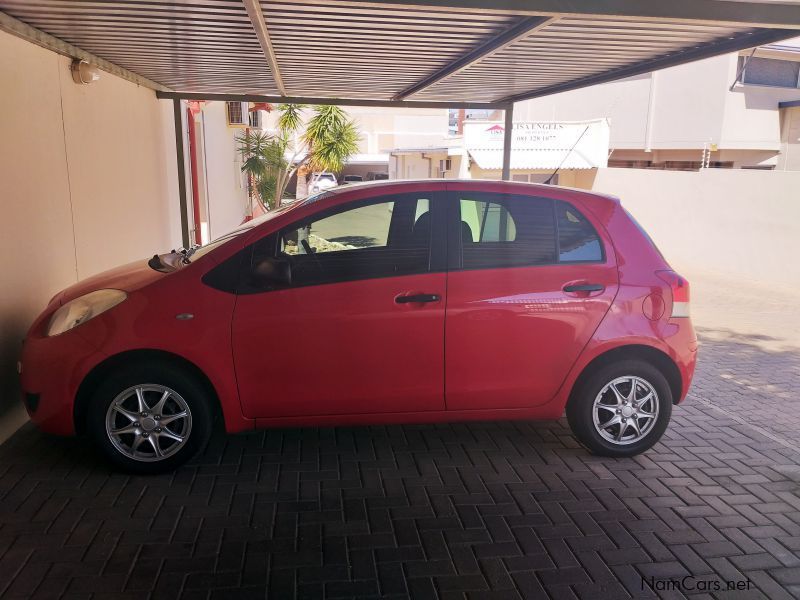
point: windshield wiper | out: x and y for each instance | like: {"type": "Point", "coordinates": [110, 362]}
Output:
{"type": "Point", "coordinates": [187, 253]}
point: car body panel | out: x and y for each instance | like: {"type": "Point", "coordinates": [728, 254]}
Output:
{"type": "Point", "coordinates": [147, 320]}
{"type": "Point", "coordinates": [513, 334]}
{"type": "Point", "coordinates": [341, 348]}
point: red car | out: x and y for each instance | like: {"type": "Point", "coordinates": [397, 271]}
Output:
{"type": "Point", "coordinates": [376, 303]}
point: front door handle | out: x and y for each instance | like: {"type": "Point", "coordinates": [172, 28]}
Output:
{"type": "Point", "coordinates": [417, 298]}
{"type": "Point", "coordinates": [584, 287]}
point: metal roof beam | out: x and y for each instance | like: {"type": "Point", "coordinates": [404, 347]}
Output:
{"type": "Point", "coordinates": [725, 46]}
{"type": "Point", "coordinates": [256, 15]}
{"type": "Point", "coordinates": [775, 15]}
{"type": "Point", "coordinates": [30, 34]}
{"type": "Point", "coordinates": [495, 44]}
{"type": "Point", "coordinates": [168, 95]}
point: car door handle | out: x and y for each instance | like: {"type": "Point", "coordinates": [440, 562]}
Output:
{"type": "Point", "coordinates": [417, 298]}
{"type": "Point", "coordinates": [584, 287]}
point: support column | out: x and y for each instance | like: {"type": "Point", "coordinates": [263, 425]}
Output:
{"type": "Point", "coordinates": [178, 118]}
{"type": "Point", "coordinates": [507, 130]}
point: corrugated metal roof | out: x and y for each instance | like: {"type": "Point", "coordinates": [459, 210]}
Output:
{"type": "Point", "coordinates": [417, 50]}
{"type": "Point", "coordinates": [492, 159]}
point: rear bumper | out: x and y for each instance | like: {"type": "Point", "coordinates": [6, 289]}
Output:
{"type": "Point", "coordinates": [51, 372]}
{"type": "Point", "coordinates": [683, 346]}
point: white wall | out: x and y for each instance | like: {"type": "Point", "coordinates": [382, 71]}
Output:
{"type": "Point", "coordinates": [88, 182]}
{"type": "Point", "coordinates": [740, 223]}
{"type": "Point", "coordinates": [226, 198]}
{"type": "Point", "coordinates": [625, 103]}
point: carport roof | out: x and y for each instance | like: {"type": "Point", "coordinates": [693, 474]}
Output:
{"type": "Point", "coordinates": [421, 51]}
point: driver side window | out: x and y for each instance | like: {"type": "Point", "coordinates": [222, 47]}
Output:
{"type": "Point", "coordinates": [383, 237]}
{"type": "Point", "coordinates": [362, 227]}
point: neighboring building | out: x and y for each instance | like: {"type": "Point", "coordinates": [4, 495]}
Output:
{"type": "Point", "coordinates": [694, 115]}
{"type": "Point", "coordinates": [540, 152]}
{"type": "Point", "coordinates": [688, 117]}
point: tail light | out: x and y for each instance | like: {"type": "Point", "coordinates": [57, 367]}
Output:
{"type": "Point", "coordinates": [680, 292]}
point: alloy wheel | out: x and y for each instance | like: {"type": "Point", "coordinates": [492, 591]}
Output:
{"type": "Point", "coordinates": [149, 422]}
{"type": "Point", "coordinates": [625, 410]}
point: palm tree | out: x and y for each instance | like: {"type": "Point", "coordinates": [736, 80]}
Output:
{"type": "Point", "coordinates": [329, 138]}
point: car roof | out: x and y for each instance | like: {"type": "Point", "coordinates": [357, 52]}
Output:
{"type": "Point", "coordinates": [434, 184]}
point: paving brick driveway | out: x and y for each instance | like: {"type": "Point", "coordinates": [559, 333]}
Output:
{"type": "Point", "coordinates": [494, 510]}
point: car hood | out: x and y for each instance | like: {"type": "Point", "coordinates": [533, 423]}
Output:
{"type": "Point", "coordinates": [127, 278]}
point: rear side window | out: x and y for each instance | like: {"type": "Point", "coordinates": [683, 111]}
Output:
{"type": "Point", "coordinates": [577, 239]}
{"type": "Point", "coordinates": [506, 231]}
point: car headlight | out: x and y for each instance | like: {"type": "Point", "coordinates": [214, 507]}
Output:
{"type": "Point", "coordinates": [80, 310]}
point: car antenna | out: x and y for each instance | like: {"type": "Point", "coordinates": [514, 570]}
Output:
{"type": "Point", "coordinates": [566, 156]}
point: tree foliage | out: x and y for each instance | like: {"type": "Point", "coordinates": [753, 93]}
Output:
{"type": "Point", "coordinates": [323, 142]}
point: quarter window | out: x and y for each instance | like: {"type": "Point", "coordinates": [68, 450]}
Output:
{"type": "Point", "coordinates": [577, 239]}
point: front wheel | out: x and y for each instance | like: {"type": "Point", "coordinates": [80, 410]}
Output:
{"type": "Point", "coordinates": [150, 418]}
{"type": "Point", "coordinates": [621, 409]}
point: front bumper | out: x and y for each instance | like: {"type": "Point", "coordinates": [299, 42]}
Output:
{"type": "Point", "coordinates": [51, 371]}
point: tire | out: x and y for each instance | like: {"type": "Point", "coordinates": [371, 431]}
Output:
{"type": "Point", "coordinates": [599, 428]}
{"type": "Point", "coordinates": [144, 434]}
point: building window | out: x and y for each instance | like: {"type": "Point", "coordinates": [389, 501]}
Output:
{"type": "Point", "coordinates": [678, 165]}
{"type": "Point", "coordinates": [254, 119]}
{"type": "Point", "coordinates": [235, 112]}
{"type": "Point", "coordinates": [770, 71]}
{"type": "Point", "coordinates": [691, 165]}
{"type": "Point", "coordinates": [630, 164]}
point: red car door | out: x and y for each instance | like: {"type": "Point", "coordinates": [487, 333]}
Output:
{"type": "Point", "coordinates": [358, 327]}
{"type": "Point", "coordinates": [530, 280]}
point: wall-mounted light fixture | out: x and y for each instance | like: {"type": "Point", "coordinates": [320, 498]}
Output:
{"type": "Point", "coordinates": [83, 72]}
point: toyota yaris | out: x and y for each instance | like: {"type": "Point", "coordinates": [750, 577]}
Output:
{"type": "Point", "coordinates": [376, 303]}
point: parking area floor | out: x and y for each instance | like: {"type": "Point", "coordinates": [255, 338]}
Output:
{"type": "Point", "coordinates": [482, 510]}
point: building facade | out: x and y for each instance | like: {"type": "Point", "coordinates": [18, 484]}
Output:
{"type": "Point", "coordinates": [721, 112]}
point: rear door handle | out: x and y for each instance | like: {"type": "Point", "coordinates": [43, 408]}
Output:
{"type": "Point", "coordinates": [584, 287]}
{"type": "Point", "coordinates": [417, 298]}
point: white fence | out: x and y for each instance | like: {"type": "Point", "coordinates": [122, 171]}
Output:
{"type": "Point", "coordinates": [743, 223]}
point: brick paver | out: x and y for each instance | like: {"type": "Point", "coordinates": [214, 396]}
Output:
{"type": "Point", "coordinates": [480, 510]}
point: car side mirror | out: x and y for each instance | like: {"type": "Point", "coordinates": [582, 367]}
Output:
{"type": "Point", "coordinates": [272, 271]}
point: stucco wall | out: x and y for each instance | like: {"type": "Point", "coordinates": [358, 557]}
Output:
{"type": "Point", "coordinates": [88, 183]}
{"type": "Point", "coordinates": [737, 222]}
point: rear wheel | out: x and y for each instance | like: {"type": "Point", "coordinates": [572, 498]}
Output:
{"type": "Point", "coordinates": [150, 418]}
{"type": "Point", "coordinates": [621, 409]}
